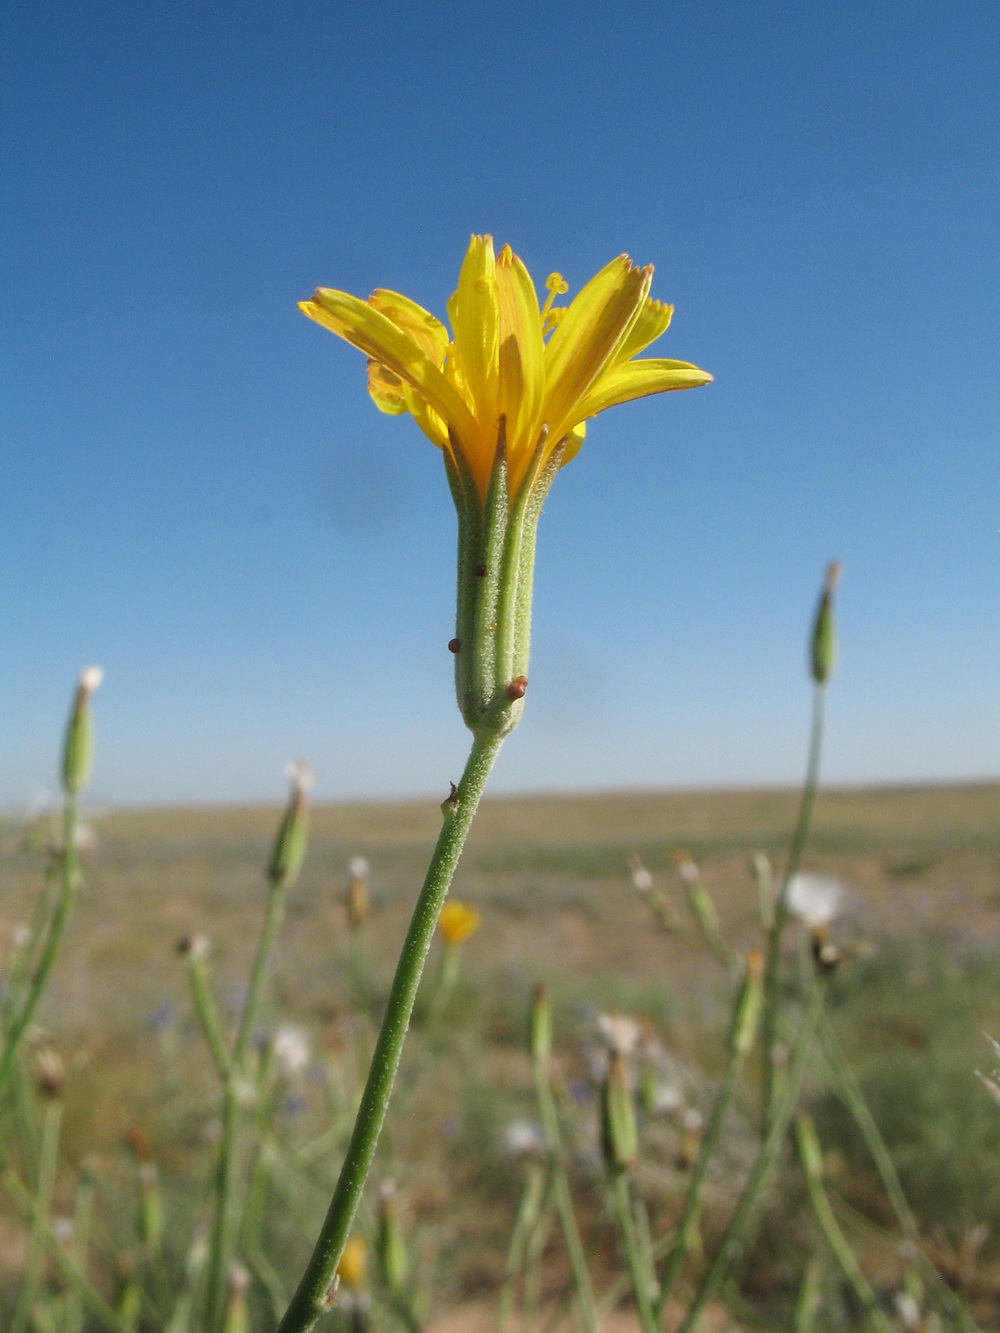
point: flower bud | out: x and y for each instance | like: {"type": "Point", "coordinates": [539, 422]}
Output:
{"type": "Point", "coordinates": [78, 746]}
{"type": "Point", "coordinates": [49, 1073]}
{"type": "Point", "coordinates": [619, 1136]}
{"type": "Point", "coordinates": [393, 1260]}
{"type": "Point", "coordinates": [823, 648]}
{"type": "Point", "coordinates": [457, 922]}
{"type": "Point", "coordinates": [237, 1317]}
{"type": "Point", "coordinates": [810, 1153]}
{"type": "Point", "coordinates": [540, 1036]}
{"type": "Point", "coordinates": [748, 1008]}
{"type": "Point", "coordinates": [357, 894]}
{"type": "Point", "coordinates": [353, 1263]}
{"type": "Point", "coordinates": [289, 848]}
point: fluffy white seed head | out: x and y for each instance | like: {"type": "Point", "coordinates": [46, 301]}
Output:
{"type": "Point", "coordinates": [291, 1049]}
{"type": "Point", "coordinates": [90, 678]}
{"type": "Point", "coordinates": [815, 900]}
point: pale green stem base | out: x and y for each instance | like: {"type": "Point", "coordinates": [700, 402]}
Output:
{"type": "Point", "coordinates": [57, 927]}
{"type": "Point", "coordinates": [837, 1241]}
{"type": "Point", "coordinates": [735, 1238]}
{"type": "Point", "coordinates": [642, 1278]}
{"type": "Point", "coordinates": [564, 1201]}
{"type": "Point", "coordinates": [772, 973]}
{"type": "Point", "coordinates": [687, 1226]}
{"type": "Point", "coordinates": [313, 1294]}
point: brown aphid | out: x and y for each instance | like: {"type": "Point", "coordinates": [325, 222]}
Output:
{"type": "Point", "coordinates": [454, 645]}
{"type": "Point", "coordinates": [481, 571]}
{"type": "Point", "coordinates": [517, 688]}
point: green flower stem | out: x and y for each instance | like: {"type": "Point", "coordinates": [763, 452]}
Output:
{"type": "Point", "coordinates": [687, 1226]}
{"type": "Point", "coordinates": [225, 1220]}
{"type": "Point", "coordinates": [64, 1262]}
{"type": "Point", "coordinates": [642, 1278]}
{"type": "Point", "coordinates": [57, 928]}
{"type": "Point", "coordinates": [21, 960]}
{"type": "Point", "coordinates": [82, 1216]}
{"type": "Point", "coordinates": [772, 972]}
{"type": "Point", "coordinates": [312, 1296]}
{"type": "Point", "coordinates": [272, 924]}
{"type": "Point", "coordinates": [528, 1213]}
{"type": "Point", "coordinates": [208, 1014]}
{"type": "Point", "coordinates": [735, 1238]}
{"type": "Point", "coordinates": [564, 1201]}
{"type": "Point", "coordinates": [844, 1082]}
{"type": "Point", "coordinates": [807, 1299]}
{"type": "Point", "coordinates": [47, 1163]}
{"type": "Point", "coordinates": [812, 1170]}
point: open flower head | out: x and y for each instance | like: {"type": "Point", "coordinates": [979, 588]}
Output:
{"type": "Point", "coordinates": [544, 370]}
{"type": "Point", "coordinates": [457, 922]}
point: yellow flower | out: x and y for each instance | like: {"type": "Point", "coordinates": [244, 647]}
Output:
{"type": "Point", "coordinates": [544, 371]}
{"type": "Point", "coordinates": [457, 922]}
{"type": "Point", "coordinates": [353, 1262]}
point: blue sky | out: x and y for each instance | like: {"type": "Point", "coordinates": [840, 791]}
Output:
{"type": "Point", "coordinates": [200, 496]}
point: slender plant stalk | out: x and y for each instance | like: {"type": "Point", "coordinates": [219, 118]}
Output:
{"type": "Point", "coordinates": [57, 927]}
{"type": "Point", "coordinates": [807, 1299]}
{"type": "Point", "coordinates": [736, 1235]}
{"type": "Point", "coordinates": [564, 1201]}
{"type": "Point", "coordinates": [82, 1214]}
{"type": "Point", "coordinates": [207, 1013]}
{"type": "Point", "coordinates": [642, 1278]}
{"type": "Point", "coordinates": [772, 972]}
{"type": "Point", "coordinates": [21, 962]}
{"type": "Point", "coordinates": [47, 1163]}
{"type": "Point", "coordinates": [313, 1294]}
{"type": "Point", "coordinates": [225, 1189]}
{"type": "Point", "coordinates": [537, 1241]}
{"type": "Point", "coordinates": [812, 1170]}
{"type": "Point", "coordinates": [265, 946]}
{"type": "Point", "coordinates": [846, 1085]}
{"type": "Point", "coordinates": [687, 1226]}
{"type": "Point", "coordinates": [536, 1186]}
{"type": "Point", "coordinates": [67, 1267]}
{"type": "Point", "coordinates": [232, 1117]}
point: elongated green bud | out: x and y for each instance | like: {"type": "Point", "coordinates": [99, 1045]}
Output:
{"type": "Point", "coordinates": [540, 1037]}
{"type": "Point", "coordinates": [289, 848]}
{"type": "Point", "coordinates": [78, 747]}
{"type": "Point", "coordinates": [393, 1260]}
{"type": "Point", "coordinates": [749, 1005]}
{"type": "Point", "coordinates": [237, 1315]}
{"type": "Point", "coordinates": [619, 1135]}
{"type": "Point", "coordinates": [823, 649]}
{"type": "Point", "coordinates": [810, 1153]}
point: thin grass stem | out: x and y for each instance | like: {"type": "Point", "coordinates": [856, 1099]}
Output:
{"type": "Point", "coordinates": [737, 1233]}
{"type": "Point", "coordinates": [57, 928]}
{"type": "Point", "coordinates": [772, 970]}
{"type": "Point", "coordinates": [48, 1160]}
{"type": "Point", "coordinates": [564, 1200]}
{"type": "Point", "coordinates": [643, 1280]}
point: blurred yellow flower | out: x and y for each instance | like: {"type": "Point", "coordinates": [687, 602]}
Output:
{"type": "Point", "coordinates": [457, 922]}
{"type": "Point", "coordinates": [353, 1261]}
{"type": "Point", "coordinates": [543, 370]}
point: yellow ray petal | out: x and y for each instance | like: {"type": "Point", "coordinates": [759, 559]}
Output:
{"type": "Point", "coordinates": [427, 332]}
{"type": "Point", "coordinates": [379, 338]}
{"type": "Point", "coordinates": [588, 335]}
{"type": "Point", "coordinates": [638, 379]}
{"type": "Point", "coordinates": [475, 327]}
{"type": "Point", "coordinates": [522, 353]}
{"type": "Point", "coordinates": [652, 320]}
{"type": "Point", "coordinates": [387, 389]}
